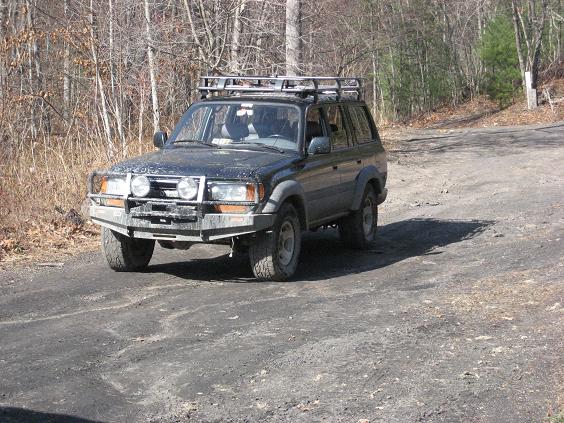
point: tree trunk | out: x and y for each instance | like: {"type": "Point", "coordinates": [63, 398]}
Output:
{"type": "Point", "coordinates": [293, 37]}
{"type": "Point", "coordinates": [115, 98]}
{"type": "Point", "coordinates": [99, 82]}
{"type": "Point", "coordinates": [152, 69]}
{"type": "Point", "coordinates": [38, 112]}
{"type": "Point", "coordinates": [3, 32]}
{"type": "Point", "coordinates": [535, 55]}
{"type": "Point", "coordinates": [532, 33]}
{"type": "Point", "coordinates": [236, 37]}
{"type": "Point", "coordinates": [515, 14]}
{"type": "Point", "coordinates": [66, 68]}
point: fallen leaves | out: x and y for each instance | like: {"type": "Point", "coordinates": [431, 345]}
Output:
{"type": "Point", "coordinates": [36, 240]}
{"type": "Point", "coordinates": [481, 112]}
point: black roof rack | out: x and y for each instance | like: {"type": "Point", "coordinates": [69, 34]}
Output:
{"type": "Point", "coordinates": [298, 85]}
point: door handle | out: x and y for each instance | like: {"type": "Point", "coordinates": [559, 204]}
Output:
{"type": "Point", "coordinates": [358, 161]}
{"type": "Point", "coordinates": [335, 167]}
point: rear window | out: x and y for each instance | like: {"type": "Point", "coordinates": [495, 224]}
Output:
{"type": "Point", "coordinates": [361, 126]}
{"type": "Point", "coordinates": [339, 138]}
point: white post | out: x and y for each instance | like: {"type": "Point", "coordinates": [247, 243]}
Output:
{"type": "Point", "coordinates": [531, 92]}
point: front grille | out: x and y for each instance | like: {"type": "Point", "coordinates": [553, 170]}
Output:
{"type": "Point", "coordinates": [163, 187]}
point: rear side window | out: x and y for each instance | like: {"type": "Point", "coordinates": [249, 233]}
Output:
{"type": "Point", "coordinates": [339, 137]}
{"type": "Point", "coordinates": [361, 126]}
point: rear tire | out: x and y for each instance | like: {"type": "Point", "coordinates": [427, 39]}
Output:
{"type": "Point", "coordinates": [125, 254]}
{"type": "Point", "coordinates": [358, 230]}
{"type": "Point", "coordinates": [274, 254]}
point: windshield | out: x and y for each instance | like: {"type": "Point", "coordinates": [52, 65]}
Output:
{"type": "Point", "coordinates": [235, 123]}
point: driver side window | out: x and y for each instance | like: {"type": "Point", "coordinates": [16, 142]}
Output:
{"type": "Point", "coordinates": [313, 126]}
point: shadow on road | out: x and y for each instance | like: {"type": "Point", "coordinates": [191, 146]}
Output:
{"type": "Point", "coordinates": [323, 255]}
{"type": "Point", "coordinates": [22, 415]}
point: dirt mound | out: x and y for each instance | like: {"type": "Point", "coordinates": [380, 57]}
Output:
{"type": "Point", "coordinates": [481, 112]}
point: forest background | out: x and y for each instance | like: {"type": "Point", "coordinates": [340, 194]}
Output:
{"type": "Point", "coordinates": [84, 83]}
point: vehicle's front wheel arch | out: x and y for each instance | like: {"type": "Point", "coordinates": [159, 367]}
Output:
{"type": "Point", "coordinates": [299, 205]}
{"type": "Point", "coordinates": [288, 192]}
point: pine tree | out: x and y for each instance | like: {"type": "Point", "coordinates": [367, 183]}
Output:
{"type": "Point", "coordinates": [499, 55]}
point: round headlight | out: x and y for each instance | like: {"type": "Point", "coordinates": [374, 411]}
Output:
{"type": "Point", "coordinates": [187, 188]}
{"type": "Point", "coordinates": [140, 186]}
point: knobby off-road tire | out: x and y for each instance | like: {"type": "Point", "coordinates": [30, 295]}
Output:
{"type": "Point", "coordinates": [274, 253]}
{"type": "Point", "coordinates": [358, 229]}
{"type": "Point", "coordinates": [125, 254]}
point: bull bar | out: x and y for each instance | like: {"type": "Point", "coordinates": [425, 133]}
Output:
{"type": "Point", "coordinates": [174, 219]}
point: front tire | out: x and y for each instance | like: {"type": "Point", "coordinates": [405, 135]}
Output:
{"type": "Point", "coordinates": [274, 254]}
{"type": "Point", "coordinates": [125, 254]}
{"type": "Point", "coordinates": [358, 230]}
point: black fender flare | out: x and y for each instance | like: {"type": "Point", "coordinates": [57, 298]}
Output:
{"type": "Point", "coordinates": [281, 193]}
{"type": "Point", "coordinates": [364, 177]}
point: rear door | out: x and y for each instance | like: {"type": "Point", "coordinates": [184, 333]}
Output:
{"type": "Point", "coordinates": [369, 150]}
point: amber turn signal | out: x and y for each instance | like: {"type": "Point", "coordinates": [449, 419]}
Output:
{"type": "Point", "coordinates": [251, 191]}
{"type": "Point", "coordinates": [231, 209]}
{"type": "Point", "coordinates": [113, 202]}
{"type": "Point", "coordinates": [104, 185]}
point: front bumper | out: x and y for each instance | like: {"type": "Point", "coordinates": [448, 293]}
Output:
{"type": "Point", "coordinates": [174, 219]}
{"type": "Point", "coordinates": [210, 227]}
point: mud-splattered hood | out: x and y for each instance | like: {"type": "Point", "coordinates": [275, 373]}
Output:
{"type": "Point", "coordinates": [205, 161]}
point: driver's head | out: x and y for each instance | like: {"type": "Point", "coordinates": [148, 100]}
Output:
{"type": "Point", "coordinates": [268, 115]}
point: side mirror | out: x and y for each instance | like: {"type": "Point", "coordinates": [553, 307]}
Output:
{"type": "Point", "coordinates": [319, 145]}
{"type": "Point", "coordinates": [159, 139]}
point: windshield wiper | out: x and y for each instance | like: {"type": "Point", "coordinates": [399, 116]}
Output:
{"type": "Point", "coordinates": [194, 142]}
{"type": "Point", "coordinates": [269, 147]}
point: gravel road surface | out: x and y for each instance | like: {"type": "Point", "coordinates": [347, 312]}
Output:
{"type": "Point", "coordinates": [455, 315]}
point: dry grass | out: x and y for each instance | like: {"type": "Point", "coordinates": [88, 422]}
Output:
{"type": "Point", "coordinates": [38, 177]}
{"type": "Point", "coordinates": [37, 180]}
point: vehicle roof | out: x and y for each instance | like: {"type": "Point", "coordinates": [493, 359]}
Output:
{"type": "Point", "coordinates": [283, 98]}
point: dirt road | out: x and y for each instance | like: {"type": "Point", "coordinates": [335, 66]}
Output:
{"type": "Point", "coordinates": [457, 314]}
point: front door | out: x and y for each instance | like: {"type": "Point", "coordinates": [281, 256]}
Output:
{"type": "Point", "coordinates": [320, 173]}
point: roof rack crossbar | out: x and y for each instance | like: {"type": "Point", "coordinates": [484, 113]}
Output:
{"type": "Point", "coordinates": [299, 85]}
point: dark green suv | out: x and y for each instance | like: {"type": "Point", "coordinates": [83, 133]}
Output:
{"type": "Point", "coordinates": [253, 163]}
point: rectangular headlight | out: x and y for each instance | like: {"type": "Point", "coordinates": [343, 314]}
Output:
{"type": "Point", "coordinates": [228, 192]}
{"type": "Point", "coordinates": [113, 185]}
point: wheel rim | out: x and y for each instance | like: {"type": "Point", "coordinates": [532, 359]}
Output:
{"type": "Point", "coordinates": [368, 218]}
{"type": "Point", "coordinates": [286, 243]}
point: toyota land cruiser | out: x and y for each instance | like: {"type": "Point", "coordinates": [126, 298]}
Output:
{"type": "Point", "coordinates": [253, 163]}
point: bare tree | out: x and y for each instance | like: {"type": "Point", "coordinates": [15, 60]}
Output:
{"type": "Point", "coordinates": [66, 67]}
{"type": "Point", "coordinates": [293, 37]}
{"type": "Point", "coordinates": [99, 82]}
{"type": "Point", "coordinates": [530, 30]}
{"type": "Point", "coordinates": [236, 36]}
{"type": "Point", "coordinates": [152, 69]}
